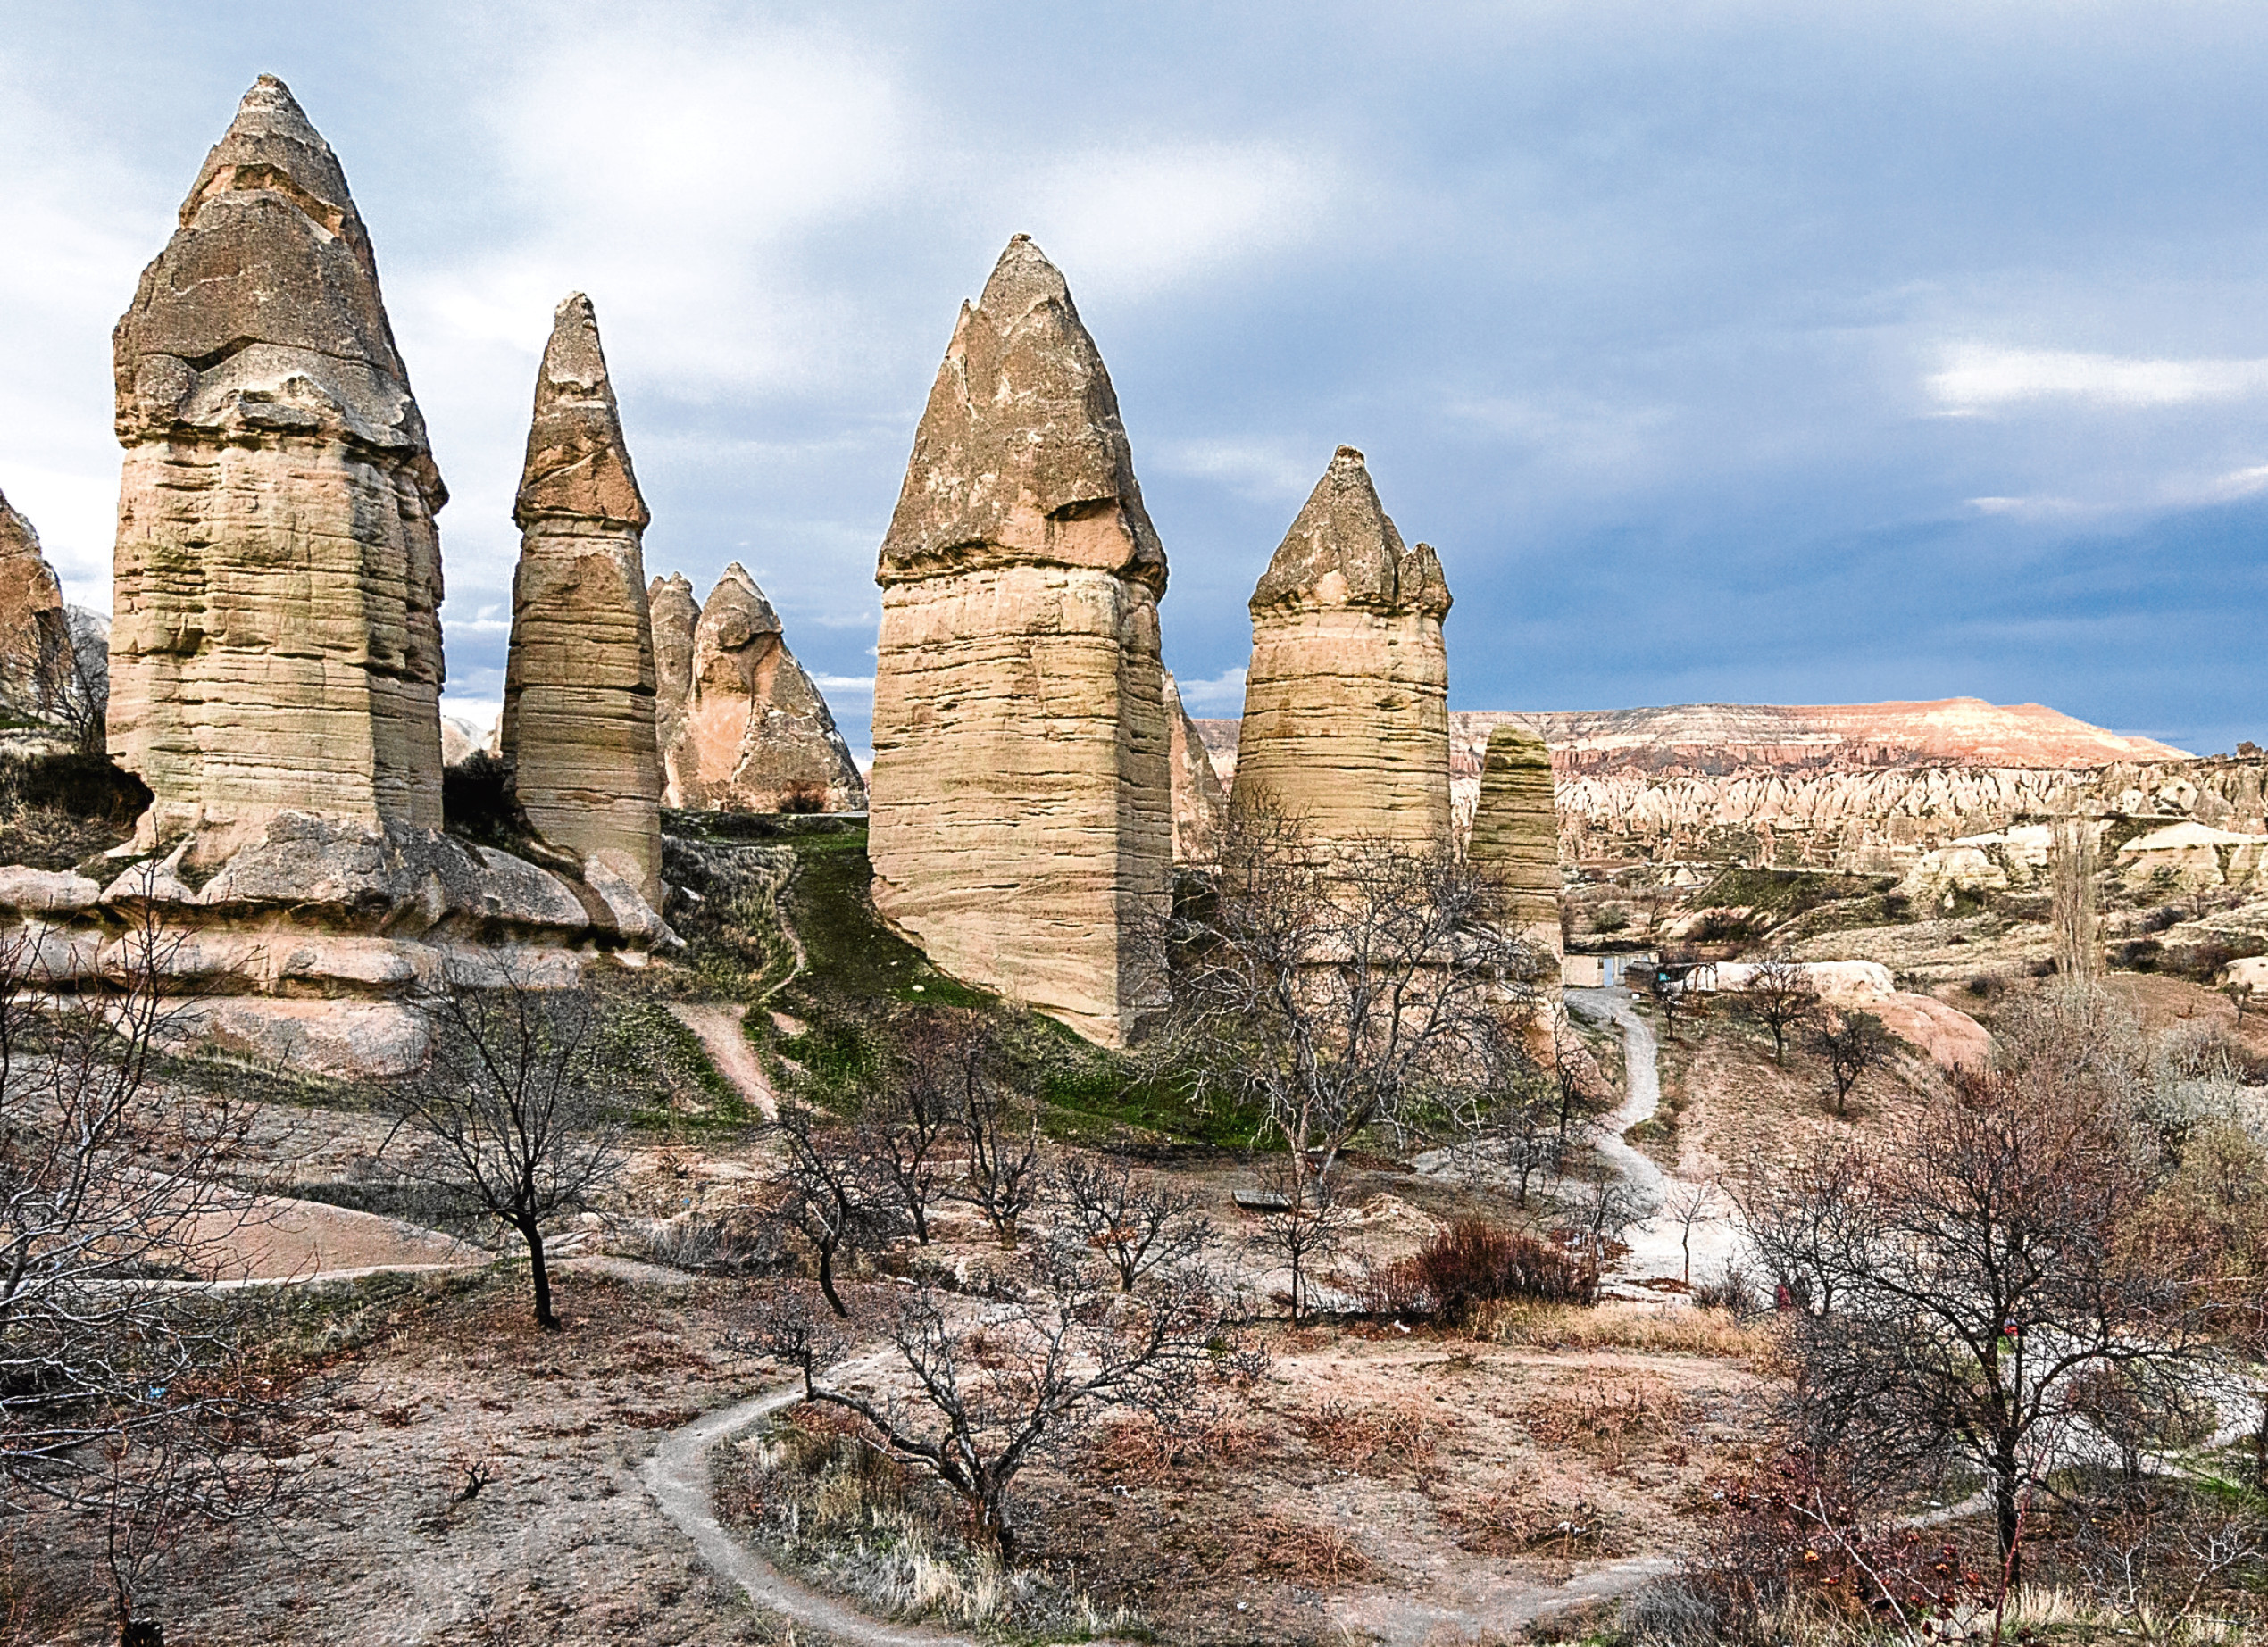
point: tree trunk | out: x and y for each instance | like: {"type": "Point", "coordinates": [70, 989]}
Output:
{"type": "Point", "coordinates": [993, 1517]}
{"type": "Point", "coordinates": [2008, 1516]}
{"type": "Point", "coordinates": [920, 1207]}
{"type": "Point", "coordinates": [827, 1279]}
{"type": "Point", "coordinates": [1295, 1286]}
{"type": "Point", "coordinates": [534, 1237]}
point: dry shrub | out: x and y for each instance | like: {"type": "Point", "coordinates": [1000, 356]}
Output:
{"type": "Point", "coordinates": [1396, 1432]}
{"type": "Point", "coordinates": [1308, 1553]}
{"type": "Point", "coordinates": [1649, 1328]}
{"type": "Point", "coordinates": [1605, 1416]}
{"type": "Point", "coordinates": [1511, 1524]}
{"type": "Point", "coordinates": [1472, 1263]}
{"type": "Point", "coordinates": [1137, 1447]}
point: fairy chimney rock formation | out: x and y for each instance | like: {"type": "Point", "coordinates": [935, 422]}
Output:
{"type": "Point", "coordinates": [674, 613]}
{"type": "Point", "coordinates": [1022, 829]}
{"type": "Point", "coordinates": [754, 734]}
{"type": "Point", "coordinates": [35, 631]}
{"type": "Point", "coordinates": [578, 728]}
{"type": "Point", "coordinates": [276, 644]}
{"type": "Point", "coordinates": [1515, 837]}
{"type": "Point", "coordinates": [1345, 718]}
{"type": "Point", "coordinates": [1199, 802]}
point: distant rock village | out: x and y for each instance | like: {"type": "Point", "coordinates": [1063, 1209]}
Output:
{"type": "Point", "coordinates": [275, 662]}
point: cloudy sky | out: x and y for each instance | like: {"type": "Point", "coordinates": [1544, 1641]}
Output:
{"type": "Point", "coordinates": [1790, 354]}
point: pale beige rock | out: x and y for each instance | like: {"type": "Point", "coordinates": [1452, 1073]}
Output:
{"type": "Point", "coordinates": [1515, 837]}
{"type": "Point", "coordinates": [35, 631]}
{"type": "Point", "coordinates": [1200, 805]}
{"type": "Point", "coordinates": [1021, 814]}
{"type": "Point", "coordinates": [578, 727]}
{"type": "Point", "coordinates": [675, 614]}
{"type": "Point", "coordinates": [1346, 720]}
{"type": "Point", "coordinates": [275, 642]}
{"type": "Point", "coordinates": [756, 734]}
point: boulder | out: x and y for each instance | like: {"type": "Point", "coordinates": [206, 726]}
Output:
{"type": "Point", "coordinates": [276, 643]}
{"type": "Point", "coordinates": [1200, 805]}
{"type": "Point", "coordinates": [1021, 817]}
{"type": "Point", "coordinates": [35, 629]}
{"type": "Point", "coordinates": [756, 735]}
{"type": "Point", "coordinates": [1346, 718]}
{"type": "Point", "coordinates": [578, 728]}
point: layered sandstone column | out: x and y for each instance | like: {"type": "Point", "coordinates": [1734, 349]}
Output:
{"type": "Point", "coordinates": [755, 735]}
{"type": "Point", "coordinates": [35, 631]}
{"type": "Point", "coordinates": [1346, 709]}
{"type": "Point", "coordinates": [275, 643]}
{"type": "Point", "coordinates": [1199, 803]}
{"type": "Point", "coordinates": [578, 728]}
{"type": "Point", "coordinates": [1515, 838]}
{"type": "Point", "coordinates": [675, 614]}
{"type": "Point", "coordinates": [1022, 830]}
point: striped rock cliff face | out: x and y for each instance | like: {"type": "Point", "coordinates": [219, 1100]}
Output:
{"type": "Point", "coordinates": [675, 614]}
{"type": "Point", "coordinates": [275, 643]}
{"type": "Point", "coordinates": [1345, 710]}
{"type": "Point", "coordinates": [1200, 802]}
{"type": "Point", "coordinates": [34, 632]}
{"type": "Point", "coordinates": [1515, 837]}
{"type": "Point", "coordinates": [578, 727]}
{"type": "Point", "coordinates": [754, 735]}
{"type": "Point", "coordinates": [1022, 828]}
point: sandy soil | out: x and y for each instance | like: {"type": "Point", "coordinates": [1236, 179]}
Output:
{"type": "Point", "coordinates": [719, 1028]}
{"type": "Point", "coordinates": [272, 1238]}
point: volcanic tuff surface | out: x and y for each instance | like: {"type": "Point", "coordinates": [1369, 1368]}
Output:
{"type": "Point", "coordinates": [578, 727]}
{"type": "Point", "coordinates": [1346, 716]}
{"type": "Point", "coordinates": [35, 631]}
{"type": "Point", "coordinates": [1515, 835]}
{"type": "Point", "coordinates": [275, 643]}
{"type": "Point", "coordinates": [749, 730]}
{"type": "Point", "coordinates": [1200, 802]}
{"type": "Point", "coordinates": [1020, 816]}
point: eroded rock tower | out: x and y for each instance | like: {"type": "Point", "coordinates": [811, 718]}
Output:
{"type": "Point", "coordinates": [1020, 830]}
{"type": "Point", "coordinates": [578, 728]}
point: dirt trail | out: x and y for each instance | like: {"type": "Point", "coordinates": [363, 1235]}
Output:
{"type": "Point", "coordinates": [719, 1028]}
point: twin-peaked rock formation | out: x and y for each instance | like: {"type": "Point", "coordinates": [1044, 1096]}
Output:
{"type": "Point", "coordinates": [1021, 827]}
{"type": "Point", "coordinates": [35, 630]}
{"type": "Point", "coordinates": [743, 727]}
{"type": "Point", "coordinates": [578, 729]}
{"type": "Point", "coordinates": [275, 643]}
{"type": "Point", "coordinates": [1346, 716]}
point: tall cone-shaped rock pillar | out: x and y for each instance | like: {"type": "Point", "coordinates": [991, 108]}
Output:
{"type": "Point", "coordinates": [752, 735]}
{"type": "Point", "coordinates": [1021, 829]}
{"type": "Point", "coordinates": [675, 614]}
{"type": "Point", "coordinates": [1346, 708]}
{"type": "Point", "coordinates": [578, 728]}
{"type": "Point", "coordinates": [276, 644]}
{"type": "Point", "coordinates": [1515, 839]}
{"type": "Point", "coordinates": [1199, 803]}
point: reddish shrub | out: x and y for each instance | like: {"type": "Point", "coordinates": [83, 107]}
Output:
{"type": "Point", "coordinates": [1473, 1262]}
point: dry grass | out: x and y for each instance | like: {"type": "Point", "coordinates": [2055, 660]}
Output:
{"type": "Point", "coordinates": [1361, 1437]}
{"type": "Point", "coordinates": [1606, 1414]}
{"type": "Point", "coordinates": [1649, 1329]}
{"type": "Point", "coordinates": [1519, 1522]}
{"type": "Point", "coordinates": [1307, 1552]}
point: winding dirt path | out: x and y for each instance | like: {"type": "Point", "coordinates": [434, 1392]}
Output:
{"type": "Point", "coordinates": [719, 1028]}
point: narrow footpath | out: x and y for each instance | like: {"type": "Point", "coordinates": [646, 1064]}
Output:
{"type": "Point", "coordinates": [721, 1033]}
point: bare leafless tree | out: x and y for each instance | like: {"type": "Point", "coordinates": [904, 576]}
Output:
{"type": "Point", "coordinates": [1852, 1045]}
{"type": "Point", "coordinates": [512, 1115]}
{"type": "Point", "coordinates": [911, 1118]}
{"type": "Point", "coordinates": [1301, 1222]}
{"type": "Point", "coordinates": [1338, 987]}
{"type": "Point", "coordinates": [2078, 949]}
{"type": "Point", "coordinates": [1781, 997]}
{"type": "Point", "coordinates": [1003, 1159]}
{"type": "Point", "coordinates": [990, 1389]}
{"type": "Point", "coordinates": [1134, 1222]}
{"type": "Point", "coordinates": [1689, 1204]}
{"type": "Point", "coordinates": [831, 1194]}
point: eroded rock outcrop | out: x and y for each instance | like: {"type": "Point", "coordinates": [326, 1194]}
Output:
{"type": "Point", "coordinates": [275, 643]}
{"type": "Point", "coordinates": [1515, 838]}
{"type": "Point", "coordinates": [674, 615]}
{"type": "Point", "coordinates": [1345, 718]}
{"type": "Point", "coordinates": [1200, 802]}
{"type": "Point", "coordinates": [756, 735]}
{"type": "Point", "coordinates": [578, 729]}
{"type": "Point", "coordinates": [1022, 828]}
{"type": "Point", "coordinates": [35, 630]}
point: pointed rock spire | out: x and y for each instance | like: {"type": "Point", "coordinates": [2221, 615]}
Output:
{"type": "Point", "coordinates": [35, 631]}
{"type": "Point", "coordinates": [1021, 825]}
{"type": "Point", "coordinates": [577, 730]}
{"type": "Point", "coordinates": [276, 644]}
{"type": "Point", "coordinates": [756, 734]}
{"type": "Point", "coordinates": [1020, 454]}
{"type": "Point", "coordinates": [577, 464]}
{"type": "Point", "coordinates": [1200, 805]}
{"type": "Point", "coordinates": [1347, 720]}
{"type": "Point", "coordinates": [674, 615]}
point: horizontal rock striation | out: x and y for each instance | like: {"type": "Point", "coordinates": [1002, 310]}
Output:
{"type": "Point", "coordinates": [578, 729]}
{"type": "Point", "coordinates": [1515, 839]}
{"type": "Point", "coordinates": [1200, 802]}
{"type": "Point", "coordinates": [1021, 814]}
{"type": "Point", "coordinates": [275, 643]}
{"type": "Point", "coordinates": [1346, 720]}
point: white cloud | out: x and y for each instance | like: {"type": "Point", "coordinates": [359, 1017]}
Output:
{"type": "Point", "coordinates": [1223, 691]}
{"type": "Point", "coordinates": [1976, 379]}
{"type": "Point", "coordinates": [849, 685]}
{"type": "Point", "coordinates": [1256, 469]}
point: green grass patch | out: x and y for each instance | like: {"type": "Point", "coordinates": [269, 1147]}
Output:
{"type": "Point", "coordinates": [1789, 893]}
